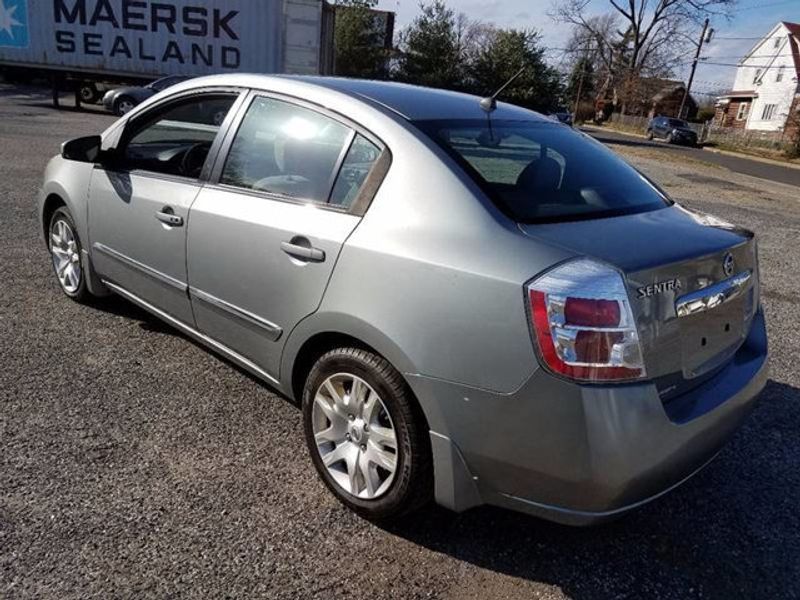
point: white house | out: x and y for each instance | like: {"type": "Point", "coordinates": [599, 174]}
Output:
{"type": "Point", "coordinates": [766, 89]}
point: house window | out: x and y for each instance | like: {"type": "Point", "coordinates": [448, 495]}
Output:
{"type": "Point", "coordinates": [777, 42]}
{"type": "Point", "coordinates": [757, 76]}
{"type": "Point", "coordinates": [768, 112]}
{"type": "Point", "coordinates": [744, 110]}
{"type": "Point", "coordinates": [779, 76]}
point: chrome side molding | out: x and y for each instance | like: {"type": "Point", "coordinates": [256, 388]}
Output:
{"type": "Point", "coordinates": [197, 335]}
{"type": "Point", "coordinates": [272, 331]}
{"type": "Point", "coordinates": [142, 268]}
{"type": "Point", "coordinates": [713, 295]}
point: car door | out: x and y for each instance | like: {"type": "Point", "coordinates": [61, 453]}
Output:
{"type": "Point", "coordinates": [661, 129]}
{"type": "Point", "coordinates": [288, 190]}
{"type": "Point", "coordinates": [139, 198]}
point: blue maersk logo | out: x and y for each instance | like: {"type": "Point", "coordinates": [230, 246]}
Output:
{"type": "Point", "coordinates": [14, 23]}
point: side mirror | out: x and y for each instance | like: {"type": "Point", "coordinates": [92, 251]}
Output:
{"type": "Point", "coordinates": [82, 149]}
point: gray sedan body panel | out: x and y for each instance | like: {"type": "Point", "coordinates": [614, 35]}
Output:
{"type": "Point", "coordinates": [432, 276]}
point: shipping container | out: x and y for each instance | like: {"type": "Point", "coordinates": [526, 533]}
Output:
{"type": "Point", "coordinates": [117, 40]}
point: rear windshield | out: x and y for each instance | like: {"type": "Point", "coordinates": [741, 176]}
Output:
{"type": "Point", "coordinates": [544, 172]}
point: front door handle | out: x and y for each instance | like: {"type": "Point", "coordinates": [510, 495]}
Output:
{"type": "Point", "coordinates": [301, 248]}
{"type": "Point", "coordinates": [167, 215]}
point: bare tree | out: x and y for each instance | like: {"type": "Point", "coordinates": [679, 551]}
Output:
{"type": "Point", "coordinates": [652, 37]}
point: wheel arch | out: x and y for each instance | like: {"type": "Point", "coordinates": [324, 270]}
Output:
{"type": "Point", "coordinates": [321, 332]}
{"type": "Point", "coordinates": [51, 204]}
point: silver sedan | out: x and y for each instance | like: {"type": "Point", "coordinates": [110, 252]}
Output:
{"type": "Point", "coordinates": [472, 303]}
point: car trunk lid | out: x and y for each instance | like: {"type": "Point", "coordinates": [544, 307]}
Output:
{"type": "Point", "coordinates": [674, 259]}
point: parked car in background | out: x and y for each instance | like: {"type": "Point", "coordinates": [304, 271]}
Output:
{"type": "Point", "coordinates": [476, 306]}
{"type": "Point", "coordinates": [562, 117]}
{"type": "Point", "coordinates": [121, 100]}
{"type": "Point", "coordinates": [673, 131]}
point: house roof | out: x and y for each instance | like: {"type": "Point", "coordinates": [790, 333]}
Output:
{"type": "Point", "coordinates": [740, 94]}
{"type": "Point", "coordinates": [794, 28]}
{"type": "Point", "coordinates": [794, 43]}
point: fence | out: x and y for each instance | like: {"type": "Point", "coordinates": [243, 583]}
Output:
{"type": "Point", "coordinates": [774, 141]}
{"type": "Point", "coordinates": [708, 133]}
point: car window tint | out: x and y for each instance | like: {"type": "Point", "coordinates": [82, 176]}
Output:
{"type": "Point", "coordinates": [360, 159]}
{"type": "Point", "coordinates": [285, 149]}
{"type": "Point", "coordinates": [541, 171]}
{"type": "Point", "coordinates": [176, 141]}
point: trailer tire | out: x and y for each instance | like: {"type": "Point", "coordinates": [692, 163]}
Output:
{"type": "Point", "coordinates": [88, 92]}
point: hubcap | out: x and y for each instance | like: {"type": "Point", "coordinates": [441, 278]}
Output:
{"type": "Point", "coordinates": [66, 256]}
{"type": "Point", "coordinates": [125, 106]}
{"type": "Point", "coordinates": [354, 436]}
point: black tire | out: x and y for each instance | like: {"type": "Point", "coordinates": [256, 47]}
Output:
{"type": "Point", "coordinates": [120, 103]}
{"type": "Point", "coordinates": [412, 485]}
{"type": "Point", "coordinates": [81, 293]}
{"type": "Point", "coordinates": [88, 93]}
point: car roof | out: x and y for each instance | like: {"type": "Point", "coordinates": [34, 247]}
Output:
{"type": "Point", "coordinates": [412, 102]}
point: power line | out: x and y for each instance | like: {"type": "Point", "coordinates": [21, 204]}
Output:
{"type": "Point", "coordinates": [745, 56]}
{"type": "Point", "coordinates": [768, 5]}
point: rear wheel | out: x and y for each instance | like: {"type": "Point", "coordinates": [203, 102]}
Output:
{"type": "Point", "coordinates": [366, 437]}
{"type": "Point", "coordinates": [88, 93]}
{"type": "Point", "coordinates": [65, 251]}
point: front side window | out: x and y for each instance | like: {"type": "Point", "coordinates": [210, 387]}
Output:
{"type": "Point", "coordinates": [543, 172]}
{"type": "Point", "coordinates": [285, 149]}
{"type": "Point", "coordinates": [175, 140]}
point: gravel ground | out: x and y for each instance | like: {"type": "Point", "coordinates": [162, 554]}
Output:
{"type": "Point", "coordinates": [135, 464]}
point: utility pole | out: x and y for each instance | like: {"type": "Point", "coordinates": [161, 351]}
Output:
{"type": "Point", "coordinates": [694, 67]}
{"type": "Point", "coordinates": [582, 64]}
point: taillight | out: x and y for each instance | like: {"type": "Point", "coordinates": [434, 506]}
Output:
{"type": "Point", "coordinates": [583, 324]}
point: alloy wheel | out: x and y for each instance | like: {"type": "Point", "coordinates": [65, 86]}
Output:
{"type": "Point", "coordinates": [124, 106]}
{"type": "Point", "coordinates": [66, 255]}
{"type": "Point", "coordinates": [354, 436]}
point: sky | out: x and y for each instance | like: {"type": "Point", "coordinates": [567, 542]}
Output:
{"type": "Point", "coordinates": [751, 19]}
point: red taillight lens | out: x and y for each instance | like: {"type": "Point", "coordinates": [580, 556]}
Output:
{"type": "Point", "coordinates": [592, 313]}
{"type": "Point", "coordinates": [580, 336]}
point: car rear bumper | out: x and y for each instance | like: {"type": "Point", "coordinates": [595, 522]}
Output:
{"type": "Point", "coordinates": [583, 454]}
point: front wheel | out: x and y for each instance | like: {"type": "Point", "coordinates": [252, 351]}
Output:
{"type": "Point", "coordinates": [123, 105]}
{"type": "Point", "coordinates": [366, 436]}
{"type": "Point", "coordinates": [65, 251]}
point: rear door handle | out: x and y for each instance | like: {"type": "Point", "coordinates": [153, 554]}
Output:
{"type": "Point", "coordinates": [167, 215]}
{"type": "Point", "coordinates": [303, 251]}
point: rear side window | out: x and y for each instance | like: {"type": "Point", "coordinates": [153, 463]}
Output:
{"type": "Point", "coordinates": [358, 163]}
{"type": "Point", "coordinates": [542, 172]}
{"type": "Point", "coordinates": [286, 149]}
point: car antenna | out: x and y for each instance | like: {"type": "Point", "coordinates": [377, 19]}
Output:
{"type": "Point", "coordinates": [489, 104]}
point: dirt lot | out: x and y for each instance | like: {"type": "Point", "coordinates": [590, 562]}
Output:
{"type": "Point", "coordinates": [135, 464]}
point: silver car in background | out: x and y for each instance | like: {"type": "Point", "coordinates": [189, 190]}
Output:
{"type": "Point", "coordinates": [471, 302]}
